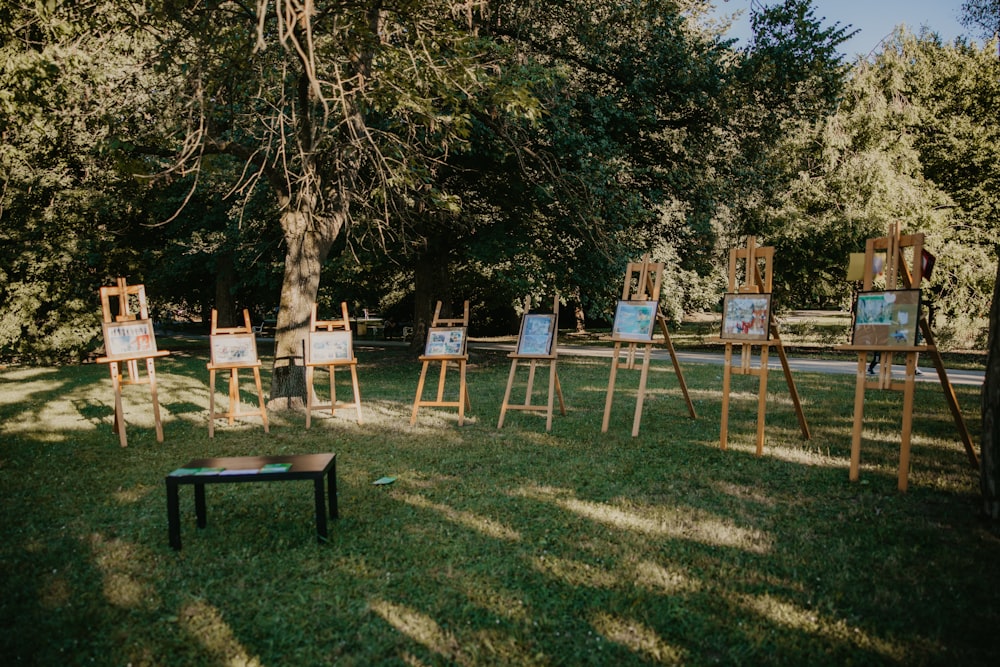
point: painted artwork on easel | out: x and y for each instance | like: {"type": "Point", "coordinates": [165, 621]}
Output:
{"type": "Point", "coordinates": [129, 339]}
{"type": "Point", "coordinates": [537, 335]}
{"type": "Point", "coordinates": [234, 350]}
{"type": "Point", "coordinates": [887, 318]}
{"type": "Point", "coordinates": [746, 317]}
{"type": "Point", "coordinates": [445, 342]}
{"type": "Point", "coordinates": [330, 347]}
{"type": "Point", "coordinates": [634, 321]}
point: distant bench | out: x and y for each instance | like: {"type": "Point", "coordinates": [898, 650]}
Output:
{"type": "Point", "coordinates": [243, 469]}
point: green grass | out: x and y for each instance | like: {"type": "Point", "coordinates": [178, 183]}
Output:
{"type": "Point", "coordinates": [511, 547]}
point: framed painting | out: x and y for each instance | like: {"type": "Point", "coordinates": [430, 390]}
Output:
{"type": "Point", "coordinates": [129, 339]}
{"type": "Point", "coordinates": [634, 320]}
{"type": "Point", "coordinates": [330, 347]}
{"type": "Point", "coordinates": [445, 342]}
{"type": "Point", "coordinates": [746, 317]}
{"type": "Point", "coordinates": [538, 335]}
{"type": "Point", "coordinates": [234, 350]}
{"type": "Point", "coordinates": [887, 319]}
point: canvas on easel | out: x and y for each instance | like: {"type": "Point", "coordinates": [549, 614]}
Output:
{"type": "Point", "coordinates": [886, 322]}
{"type": "Point", "coordinates": [330, 346]}
{"type": "Point", "coordinates": [233, 349]}
{"type": "Point", "coordinates": [446, 345]}
{"type": "Point", "coordinates": [536, 344]}
{"type": "Point", "coordinates": [747, 322]}
{"type": "Point", "coordinates": [636, 317]}
{"type": "Point", "coordinates": [128, 339]}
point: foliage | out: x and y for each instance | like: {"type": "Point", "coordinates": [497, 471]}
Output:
{"type": "Point", "coordinates": [493, 548]}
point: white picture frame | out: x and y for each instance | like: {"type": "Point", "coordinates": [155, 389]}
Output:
{"type": "Point", "coordinates": [234, 350]}
{"type": "Point", "coordinates": [330, 347]}
{"type": "Point", "coordinates": [634, 321]}
{"type": "Point", "coordinates": [129, 340]}
{"type": "Point", "coordinates": [445, 342]}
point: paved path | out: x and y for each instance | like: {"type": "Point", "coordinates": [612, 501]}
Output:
{"type": "Point", "coordinates": [848, 366]}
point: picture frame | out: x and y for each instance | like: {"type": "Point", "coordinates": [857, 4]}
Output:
{"type": "Point", "coordinates": [887, 318]}
{"type": "Point", "coordinates": [330, 347]}
{"type": "Point", "coordinates": [234, 350]}
{"type": "Point", "coordinates": [129, 340]}
{"type": "Point", "coordinates": [634, 321]}
{"type": "Point", "coordinates": [445, 342]}
{"type": "Point", "coordinates": [746, 316]}
{"type": "Point", "coordinates": [537, 336]}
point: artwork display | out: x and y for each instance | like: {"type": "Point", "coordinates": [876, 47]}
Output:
{"type": "Point", "coordinates": [234, 350]}
{"type": "Point", "coordinates": [330, 347]}
{"type": "Point", "coordinates": [445, 342]}
{"type": "Point", "coordinates": [129, 339]}
{"type": "Point", "coordinates": [537, 335]}
{"type": "Point", "coordinates": [887, 319]}
{"type": "Point", "coordinates": [746, 317]}
{"type": "Point", "coordinates": [634, 320]}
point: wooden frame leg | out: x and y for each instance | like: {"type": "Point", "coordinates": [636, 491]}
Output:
{"type": "Point", "coordinates": [904, 446]}
{"type": "Point", "coordinates": [260, 397]}
{"type": "Point", "coordinates": [859, 409]}
{"type": "Point", "coordinates": [310, 392]}
{"type": "Point", "coordinates": [762, 400]}
{"type": "Point", "coordinates": [611, 388]}
{"type": "Point", "coordinates": [211, 403]}
{"type": "Point", "coordinates": [420, 393]}
{"type": "Point", "coordinates": [553, 381]}
{"type": "Point", "coordinates": [641, 394]}
{"type": "Point", "coordinates": [506, 394]}
{"type": "Point", "coordinates": [357, 390]}
{"type": "Point", "coordinates": [119, 423]}
{"type": "Point", "coordinates": [234, 395]}
{"type": "Point", "coordinates": [727, 374]}
{"type": "Point", "coordinates": [462, 393]}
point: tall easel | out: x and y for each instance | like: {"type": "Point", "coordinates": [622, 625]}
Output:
{"type": "Point", "coordinates": [235, 338]}
{"type": "Point", "coordinates": [757, 279]}
{"type": "Point", "coordinates": [643, 281]}
{"type": "Point", "coordinates": [340, 358]}
{"type": "Point", "coordinates": [133, 353]}
{"type": "Point", "coordinates": [461, 359]}
{"type": "Point", "coordinates": [900, 273]}
{"type": "Point", "coordinates": [533, 357]}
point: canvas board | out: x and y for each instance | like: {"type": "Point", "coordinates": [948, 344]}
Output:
{"type": "Point", "coordinates": [234, 350]}
{"type": "Point", "coordinates": [445, 342]}
{"type": "Point", "coordinates": [330, 347]}
{"type": "Point", "coordinates": [887, 319]}
{"type": "Point", "coordinates": [537, 336]}
{"type": "Point", "coordinates": [746, 317]}
{"type": "Point", "coordinates": [129, 339]}
{"type": "Point", "coordinates": [634, 320]}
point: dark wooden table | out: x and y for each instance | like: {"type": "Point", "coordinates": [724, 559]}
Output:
{"type": "Point", "coordinates": [244, 469]}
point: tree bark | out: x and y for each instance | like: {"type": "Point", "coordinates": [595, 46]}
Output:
{"type": "Point", "coordinates": [308, 243]}
{"type": "Point", "coordinates": [225, 280]}
{"type": "Point", "coordinates": [431, 284]}
{"type": "Point", "coordinates": [990, 445]}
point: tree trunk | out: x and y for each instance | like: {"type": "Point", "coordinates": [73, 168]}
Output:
{"type": "Point", "coordinates": [306, 251]}
{"type": "Point", "coordinates": [430, 285]}
{"type": "Point", "coordinates": [990, 446]}
{"type": "Point", "coordinates": [225, 280]}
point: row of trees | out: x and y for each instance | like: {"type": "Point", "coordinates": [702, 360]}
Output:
{"type": "Point", "coordinates": [263, 153]}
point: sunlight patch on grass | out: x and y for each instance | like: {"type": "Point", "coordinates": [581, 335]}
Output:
{"type": "Point", "coordinates": [574, 572]}
{"type": "Point", "coordinates": [420, 628]}
{"type": "Point", "coordinates": [687, 524]}
{"type": "Point", "coordinates": [133, 495]}
{"type": "Point", "coordinates": [671, 581]}
{"type": "Point", "coordinates": [484, 525]}
{"type": "Point", "coordinates": [205, 624]}
{"type": "Point", "coordinates": [501, 603]}
{"type": "Point", "coordinates": [638, 638]}
{"type": "Point", "coordinates": [793, 617]}
{"type": "Point", "coordinates": [121, 565]}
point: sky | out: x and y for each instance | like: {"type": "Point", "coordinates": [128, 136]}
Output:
{"type": "Point", "coordinates": [875, 19]}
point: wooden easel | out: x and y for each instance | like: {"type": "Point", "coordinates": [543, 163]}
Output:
{"type": "Point", "coordinates": [757, 280]}
{"type": "Point", "coordinates": [331, 365]}
{"type": "Point", "coordinates": [124, 293]}
{"type": "Point", "coordinates": [534, 359]}
{"type": "Point", "coordinates": [218, 334]}
{"type": "Point", "coordinates": [900, 274]}
{"type": "Point", "coordinates": [461, 360]}
{"type": "Point", "coordinates": [643, 281]}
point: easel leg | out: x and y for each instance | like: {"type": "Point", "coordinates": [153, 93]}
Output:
{"type": "Point", "coordinates": [420, 393]}
{"type": "Point", "coordinates": [641, 395]}
{"type": "Point", "coordinates": [151, 372]}
{"type": "Point", "coordinates": [904, 447]}
{"type": "Point", "coordinates": [357, 390]}
{"type": "Point", "coordinates": [462, 393]}
{"type": "Point", "coordinates": [531, 382]}
{"type": "Point", "coordinates": [859, 410]}
{"type": "Point", "coordinates": [260, 398]}
{"type": "Point", "coordinates": [551, 404]}
{"type": "Point", "coordinates": [234, 395]}
{"type": "Point", "coordinates": [211, 403]}
{"type": "Point", "coordinates": [506, 394]}
{"type": "Point", "coordinates": [762, 400]}
{"type": "Point", "coordinates": [611, 388]}
{"type": "Point", "coordinates": [727, 374]}
{"type": "Point", "coordinates": [310, 391]}
{"type": "Point", "coordinates": [119, 423]}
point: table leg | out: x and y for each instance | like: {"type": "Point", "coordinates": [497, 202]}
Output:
{"type": "Point", "coordinates": [319, 485]}
{"type": "Point", "coordinates": [173, 517]}
{"type": "Point", "coordinates": [199, 504]}
{"type": "Point", "coordinates": [332, 477]}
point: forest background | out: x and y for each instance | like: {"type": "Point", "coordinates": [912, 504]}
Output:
{"type": "Point", "coordinates": [272, 154]}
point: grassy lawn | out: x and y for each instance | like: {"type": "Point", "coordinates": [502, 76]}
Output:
{"type": "Point", "coordinates": [511, 547]}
